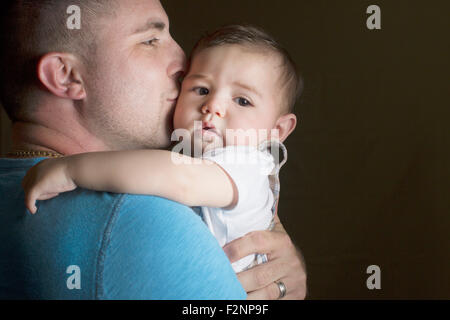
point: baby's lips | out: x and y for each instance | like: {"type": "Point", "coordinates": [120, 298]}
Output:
{"type": "Point", "coordinates": [209, 126]}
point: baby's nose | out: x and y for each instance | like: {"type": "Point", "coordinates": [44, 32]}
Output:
{"type": "Point", "coordinates": [213, 108]}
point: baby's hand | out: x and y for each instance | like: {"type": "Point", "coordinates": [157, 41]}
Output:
{"type": "Point", "coordinates": [46, 180]}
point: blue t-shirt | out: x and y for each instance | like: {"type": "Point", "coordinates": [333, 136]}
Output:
{"type": "Point", "coordinates": [96, 245]}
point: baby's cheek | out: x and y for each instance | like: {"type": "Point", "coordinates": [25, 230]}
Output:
{"type": "Point", "coordinates": [246, 124]}
{"type": "Point", "coordinates": [178, 117]}
{"type": "Point", "coordinates": [183, 112]}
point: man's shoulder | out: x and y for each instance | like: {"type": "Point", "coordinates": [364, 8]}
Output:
{"type": "Point", "coordinates": [153, 202]}
{"type": "Point", "coordinates": [154, 214]}
{"type": "Point", "coordinates": [120, 203]}
{"type": "Point", "coordinates": [124, 215]}
{"type": "Point", "coordinates": [126, 246]}
{"type": "Point", "coordinates": [168, 250]}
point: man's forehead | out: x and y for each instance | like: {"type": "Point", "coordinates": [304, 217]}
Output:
{"type": "Point", "coordinates": [138, 16]}
{"type": "Point", "coordinates": [150, 24]}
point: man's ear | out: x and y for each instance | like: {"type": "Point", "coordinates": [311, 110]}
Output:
{"type": "Point", "coordinates": [60, 74]}
{"type": "Point", "coordinates": [285, 125]}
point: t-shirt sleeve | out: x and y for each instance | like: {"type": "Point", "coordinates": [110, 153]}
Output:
{"type": "Point", "coordinates": [160, 249]}
{"type": "Point", "coordinates": [249, 172]}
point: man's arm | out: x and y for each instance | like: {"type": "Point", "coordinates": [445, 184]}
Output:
{"type": "Point", "coordinates": [159, 249]}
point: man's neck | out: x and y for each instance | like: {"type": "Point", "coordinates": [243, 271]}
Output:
{"type": "Point", "coordinates": [30, 136]}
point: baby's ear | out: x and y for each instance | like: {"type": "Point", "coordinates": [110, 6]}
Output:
{"type": "Point", "coordinates": [285, 125]}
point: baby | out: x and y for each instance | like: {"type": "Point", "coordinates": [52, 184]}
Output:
{"type": "Point", "coordinates": [235, 107]}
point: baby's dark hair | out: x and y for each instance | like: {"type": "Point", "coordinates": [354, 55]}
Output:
{"type": "Point", "coordinates": [251, 36]}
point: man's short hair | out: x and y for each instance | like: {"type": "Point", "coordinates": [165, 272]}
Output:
{"type": "Point", "coordinates": [31, 28]}
{"type": "Point", "coordinates": [251, 36]}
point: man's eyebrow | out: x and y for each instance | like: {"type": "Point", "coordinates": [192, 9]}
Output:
{"type": "Point", "coordinates": [247, 87]}
{"type": "Point", "coordinates": [151, 24]}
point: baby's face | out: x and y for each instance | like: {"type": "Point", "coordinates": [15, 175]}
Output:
{"type": "Point", "coordinates": [229, 88]}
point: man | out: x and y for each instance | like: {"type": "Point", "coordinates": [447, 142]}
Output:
{"type": "Point", "coordinates": [112, 85]}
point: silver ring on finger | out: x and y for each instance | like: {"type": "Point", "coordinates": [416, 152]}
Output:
{"type": "Point", "coordinates": [282, 288]}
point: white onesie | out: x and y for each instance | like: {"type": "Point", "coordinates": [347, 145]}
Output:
{"type": "Point", "coordinates": [255, 175]}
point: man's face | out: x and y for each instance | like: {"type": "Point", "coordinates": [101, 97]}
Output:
{"type": "Point", "coordinates": [230, 87]}
{"type": "Point", "coordinates": [133, 84]}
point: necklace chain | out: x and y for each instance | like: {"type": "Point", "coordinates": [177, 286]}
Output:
{"type": "Point", "coordinates": [33, 153]}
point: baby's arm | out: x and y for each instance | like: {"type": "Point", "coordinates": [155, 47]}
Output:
{"type": "Point", "coordinates": [193, 182]}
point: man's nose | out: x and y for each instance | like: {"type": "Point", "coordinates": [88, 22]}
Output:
{"type": "Point", "coordinates": [177, 66]}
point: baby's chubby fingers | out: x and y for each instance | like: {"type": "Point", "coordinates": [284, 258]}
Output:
{"type": "Point", "coordinates": [46, 180]}
{"type": "Point", "coordinates": [30, 201]}
{"type": "Point", "coordinates": [33, 192]}
{"type": "Point", "coordinates": [34, 195]}
{"type": "Point", "coordinates": [30, 193]}
{"type": "Point", "coordinates": [32, 188]}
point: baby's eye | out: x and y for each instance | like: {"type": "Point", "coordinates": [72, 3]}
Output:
{"type": "Point", "coordinates": [201, 91]}
{"type": "Point", "coordinates": [242, 102]}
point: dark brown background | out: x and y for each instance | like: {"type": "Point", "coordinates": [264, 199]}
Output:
{"type": "Point", "coordinates": [367, 179]}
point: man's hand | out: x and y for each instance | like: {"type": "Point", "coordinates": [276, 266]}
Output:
{"type": "Point", "coordinates": [285, 264]}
